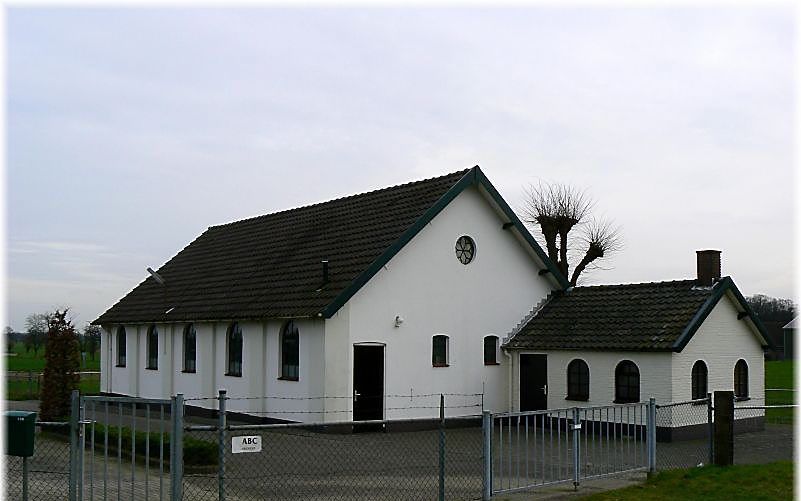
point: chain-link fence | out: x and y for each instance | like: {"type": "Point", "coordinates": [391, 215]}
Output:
{"type": "Point", "coordinates": [344, 461]}
{"type": "Point", "coordinates": [684, 434]}
{"type": "Point", "coordinates": [760, 434]}
{"type": "Point", "coordinates": [200, 480]}
{"type": "Point", "coordinates": [779, 405]}
{"type": "Point", "coordinates": [48, 468]}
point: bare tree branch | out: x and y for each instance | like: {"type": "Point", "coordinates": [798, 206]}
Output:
{"type": "Point", "coordinates": [557, 209]}
{"type": "Point", "coordinates": [600, 238]}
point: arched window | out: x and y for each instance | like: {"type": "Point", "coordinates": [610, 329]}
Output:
{"type": "Point", "coordinates": [121, 344]}
{"type": "Point", "coordinates": [234, 348]}
{"type": "Point", "coordinates": [290, 352]}
{"type": "Point", "coordinates": [578, 380]}
{"type": "Point", "coordinates": [152, 347]}
{"type": "Point", "coordinates": [190, 348]}
{"type": "Point", "coordinates": [627, 382]}
{"type": "Point", "coordinates": [699, 380]}
{"type": "Point", "coordinates": [439, 351]}
{"type": "Point", "coordinates": [491, 350]}
{"type": "Point", "coordinates": [741, 379]}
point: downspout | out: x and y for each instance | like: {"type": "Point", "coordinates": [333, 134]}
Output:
{"type": "Point", "coordinates": [509, 380]}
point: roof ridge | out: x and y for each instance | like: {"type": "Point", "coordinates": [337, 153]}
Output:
{"type": "Point", "coordinates": [346, 197]}
{"type": "Point", "coordinates": [635, 284]}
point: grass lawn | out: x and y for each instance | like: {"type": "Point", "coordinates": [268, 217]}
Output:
{"type": "Point", "coordinates": [753, 482]}
{"type": "Point", "coordinates": [779, 374]}
{"type": "Point", "coordinates": [29, 361]}
{"type": "Point", "coordinates": [21, 390]}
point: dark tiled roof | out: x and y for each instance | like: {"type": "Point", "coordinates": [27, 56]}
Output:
{"type": "Point", "coordinates": [642, 317]}
{"type": "Point", "coordinates": [269, 266]}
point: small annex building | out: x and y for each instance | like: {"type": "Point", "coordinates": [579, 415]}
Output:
{"type": "Point", "coordinates": [674, 341]}
{"type": "Point", "coordinates": [364, 307]}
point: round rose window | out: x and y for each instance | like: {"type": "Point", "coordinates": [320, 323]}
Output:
{"type": "Point", "coordinates": [465, 249]}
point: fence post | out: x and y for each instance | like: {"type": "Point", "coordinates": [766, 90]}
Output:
{"type": "Point", "coordinates": [576, 450]}
{"type": "Point", "coordinates": [650, 435]}
{"type": "Point", "coordinates": [441, 447]}
{"type": "Point", "coordinates": [724, 428]}
{"type": "Point", "coordinates": [30, 384]}
{"type": "Point", "coordinates": [222, 445]}
{"type": "Point", "coordinates": [711, 432]}
{"type": "Point", "coordinates": [74, 409]}
{"type": "Point", "coordinates": [486, 428]}
{"type": "Point", "coordinates": [177, 447]}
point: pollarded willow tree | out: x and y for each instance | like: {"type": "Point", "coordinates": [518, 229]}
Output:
{"type": "Point", "coordinates": [558, 210]}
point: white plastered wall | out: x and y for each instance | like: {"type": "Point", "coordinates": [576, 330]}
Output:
{"type": "Point", "coordinates": [655, 371]}
{"type": "Point", "coordinates": [434, 293]}
{"type": "Point", "coordinates": [259, 390]}
{"type": "Point", "coordinates": [720, 342]}
{"type": "Point", "coordinates": [120, 380]}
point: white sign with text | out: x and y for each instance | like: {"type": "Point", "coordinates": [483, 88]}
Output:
{"type": "Point", "coordinates": [250, 443]}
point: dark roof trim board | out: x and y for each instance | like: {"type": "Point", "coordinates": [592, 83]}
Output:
{"type": "Point", "coordinates": [473, 177]}
{"type": "Point", "coordinates": [726, 284]}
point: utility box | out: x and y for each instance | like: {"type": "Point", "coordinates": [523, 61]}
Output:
{"type": "Point", "coordinates": [20, 432]}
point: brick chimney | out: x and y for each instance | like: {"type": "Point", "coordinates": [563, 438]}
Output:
{"type": "Point", "coordinates": [708, 267]}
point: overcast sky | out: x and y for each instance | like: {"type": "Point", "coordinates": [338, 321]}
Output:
{"type": "Point", "coordinates": [130, 131]}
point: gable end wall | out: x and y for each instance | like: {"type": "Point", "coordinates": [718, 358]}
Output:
{"type": "Point", "coordinates": [434, 293]}
{"type": "Point", "coordinates": [720, 342]}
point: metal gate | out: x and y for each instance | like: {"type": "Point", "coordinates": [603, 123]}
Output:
{"type": "Point", "coordinates": [125, 448]}
{"type": "Point", "coordinates": [537, 448]}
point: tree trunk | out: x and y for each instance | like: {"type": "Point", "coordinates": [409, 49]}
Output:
{"type": "Point", "coordinates": [562, 264]}
{"type": "Point", "coordinates": [590, 256]}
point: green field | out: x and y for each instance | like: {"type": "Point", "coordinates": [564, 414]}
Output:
{"type": "Point", "coordinates": [772, 481]}
{"type": "Point", "coordinates": [30, 361]}
{"type": "Point", "coordinates": [22, 390]}
{"type": "Point", "coordinates": [19, 388]}
{"type": "Point", "coordinates": [779, 374]}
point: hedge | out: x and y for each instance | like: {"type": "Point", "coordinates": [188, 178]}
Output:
{"type": "Point", "coordinates": [196, 452]}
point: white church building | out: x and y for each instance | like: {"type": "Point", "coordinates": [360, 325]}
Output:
{"type": "Point", "coordinates": [370, 306]}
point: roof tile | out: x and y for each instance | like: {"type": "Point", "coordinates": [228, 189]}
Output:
{"type": "Point", "coordinates": [269, 266]}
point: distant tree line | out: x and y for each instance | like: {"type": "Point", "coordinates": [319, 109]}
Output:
{"type": "Point", "coordinates": [35, 337]}
{"type": "Point", "coordinates": [774, 313]}
{"type": "Point", "coordinates": [772, 309]}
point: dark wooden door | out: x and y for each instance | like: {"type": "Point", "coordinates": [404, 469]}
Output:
{"type": "Point", "coordinates": [368, 382]}
{"type": "Point", "coordinates": [533, 382]}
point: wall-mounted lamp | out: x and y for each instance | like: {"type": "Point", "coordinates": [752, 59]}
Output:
{"type": "Point", "coordinates": [398, 321]}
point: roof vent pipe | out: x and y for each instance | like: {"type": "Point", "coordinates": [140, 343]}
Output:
{"type": "Point", "coordinates": [325, 271]}
{"type": "Point", "coordinates": [708, 267]}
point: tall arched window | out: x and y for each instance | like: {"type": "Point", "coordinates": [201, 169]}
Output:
{"type": "Point", "coordinates": [578, 380]}
{"type": "Point", "coordinates": [290, 352]}
{"type": "Point", "coordinates": [439, 351]}
{"type": "Point", "coordinates": [491, 350]}
{"type": "Point", "coordinates": [741, 379]}
{"type": "Point", "coordinates": [234, 348]}
{"type": "Point", "coordinates": [121, 345]}
{"type": "Point", "coordinates": [152, 347]}
{"type": "Point", "coordinates": [699, 380]}
{"type": "Point", "coordinates": [190, 348]}
{"type": "Point", "coordinates": [627, 382]}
